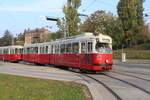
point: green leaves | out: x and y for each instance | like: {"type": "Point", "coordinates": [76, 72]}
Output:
{"type": "Point", "coordinates": [105, 23]}
{"type": "Point", "coordinates": [130, 13]}
{"type": "Point", "coordinates": [6, 39]}
{"type": "Point", "coordinates": [71, 17]}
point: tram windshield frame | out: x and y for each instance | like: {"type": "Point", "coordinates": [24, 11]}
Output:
{"type": "Point", "coordinates": [103, 48]}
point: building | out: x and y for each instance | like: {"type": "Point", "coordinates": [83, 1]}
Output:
{"type": "Point", "coordinates": [36, 36]}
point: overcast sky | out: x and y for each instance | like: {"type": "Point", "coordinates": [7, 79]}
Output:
{"type": "Point", "coordinates": [16, 15]}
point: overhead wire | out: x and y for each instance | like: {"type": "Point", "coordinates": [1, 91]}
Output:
{"type": "Point", "coordinates": [97, 1]}
{"type": "Point", "coordinates": [107, 3]}
{"type": "Point", "coordinates": [89, 5]}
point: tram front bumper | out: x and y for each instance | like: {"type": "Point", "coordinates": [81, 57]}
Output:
{"type": "Point", "coordinates": [102, 67]}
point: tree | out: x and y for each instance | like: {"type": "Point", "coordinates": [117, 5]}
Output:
{"type": "Point", "coordinates": [104, 23]}
{"type": "Point", "coordinates": [144, 36]}
{"type": "Point", "coordinates": [7, 38]}
{"type": "Point", "coordinates": [20, 39]}
{"type": "Point", "coordinates": [98, 21]}
{"type": "Point", "coordinates": [71, 17]}
{"type": "Point", "coordinates": [61, 23]}
{"type": "Point", "coordinates": [130, 13]}
{"type": "Point", "coordinates": [54, 36]}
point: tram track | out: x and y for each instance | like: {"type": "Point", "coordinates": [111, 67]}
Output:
{"type": "Point", "coordinates": [129, 83]}
{"type": "Point", "coordinates": [135, 72]}
{"type": "Point", "coordinates": [104, 85]}
{"type": "Point", "coordinates": [120, 73]}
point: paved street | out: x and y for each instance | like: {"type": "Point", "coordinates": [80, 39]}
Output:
{"type": "Point", "coordinates": [124, 82]}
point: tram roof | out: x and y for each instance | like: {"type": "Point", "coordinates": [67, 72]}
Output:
{"type": "Point", "coordinates": [85, 36]}
{"type": "Point", "coordinates": [14, 46]}
{"type": "Point", "coordinates": [77, 38]}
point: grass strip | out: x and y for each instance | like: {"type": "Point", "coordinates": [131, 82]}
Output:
{"type": "Point", "coordinates": [25, 88]}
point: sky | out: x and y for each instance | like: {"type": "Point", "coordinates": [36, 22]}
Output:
{"type": "Point", "coordinates": [17, 15]}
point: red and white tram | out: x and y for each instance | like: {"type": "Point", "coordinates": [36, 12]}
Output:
{"type": "Point", "coordinates": [85, 52]}
{"type": "Point", "coordinates": [11, 53]}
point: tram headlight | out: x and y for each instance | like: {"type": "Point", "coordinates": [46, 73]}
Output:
{"type": "Point", "coordinates": [107, 61]}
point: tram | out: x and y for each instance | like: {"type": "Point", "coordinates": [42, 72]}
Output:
{"type": "Point", "coordinates": [84, 52]}
{"type": "Point", "coordinates": [11, 53]}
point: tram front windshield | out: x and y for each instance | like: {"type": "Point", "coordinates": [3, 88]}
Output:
{"type": "Point", "coordinates": [103, 48]}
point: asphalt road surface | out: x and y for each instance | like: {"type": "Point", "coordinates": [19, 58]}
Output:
{"type": "Point", "coordinates": [124, 82]}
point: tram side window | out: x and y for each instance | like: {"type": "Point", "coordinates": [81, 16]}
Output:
{"type": "Point", "coordinates": [5, 51]}
{"type": "Point", "coordinates": [75, 48]}
{"type": "Point", "coordinates": [62, 48]}
{"type": "Point", "coordinates": [46, 50]}
{"type": "Point", "coordinates": [51, 49]}
{"type": "Point", "coordinates": [90, 47]}
{"type": "Point", "coordinates": [56, 49]}
{"type": "Point", "coordinates": [28, 50]}
{"type": "Point", "coordinates": [83, 48]}
{"type": "Point", "coordinates": [40, 50]}
{"type": "Point", "coordinates": [36, 50]}
{"type": "Point", "coordinates": [12, 51]}
{"type": "Point", "coordinates": [21, 50]}
{"type": "Point", "coordinates": [68, 48]}
{"type": "Point", "coordinates": [24, 50]}
{"type": "Point", "coordinates": [16, 50]}
{"type": "Point", "coordinates": [43, 49]}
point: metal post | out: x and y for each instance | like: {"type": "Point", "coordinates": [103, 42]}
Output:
{"type": "Point", "coordinates": [123, 56]}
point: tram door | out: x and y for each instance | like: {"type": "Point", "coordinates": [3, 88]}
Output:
{"type": "Point", "coordinates": [82, 55]}
{"type": "Point", "coordinates": [75, 54]}
{"type": "Point", "coordinates": [86, 54]}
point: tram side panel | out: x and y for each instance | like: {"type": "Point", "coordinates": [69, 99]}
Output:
{"type": "Point", "coordinates": [1, 57]}
{"type": "Point", "coordinates": [26, 58]}
{"type": "Point", "coordinates": [85, 61]}
{"type": "Point", "coordinates": [52, 59]}
{"type": "Point", "coordinates": [15, 57]}
{"type": "Point", "coordinates": [70, 60]}
{"type": "Point", "coordinates": [43, 58]}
